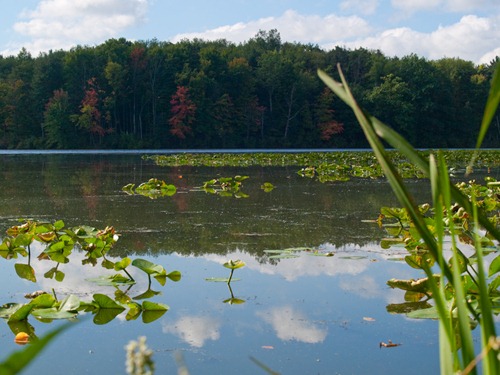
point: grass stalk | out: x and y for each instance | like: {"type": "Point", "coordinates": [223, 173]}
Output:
{"type": "Point", "coordinates": [455, 314]}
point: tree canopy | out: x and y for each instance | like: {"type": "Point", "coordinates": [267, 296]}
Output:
{"type": "Point", "coordinates": [263, 93]}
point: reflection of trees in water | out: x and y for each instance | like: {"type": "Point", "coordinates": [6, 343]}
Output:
{"type": "Point", "coordinates": [86, 190]}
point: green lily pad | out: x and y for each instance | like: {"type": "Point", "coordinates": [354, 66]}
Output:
{"type": "Point", "coordinates": [148, 267]}
{"type": "Point", "coordinates": [21, 313]}
{"type": "Point", "coordinates": [220, 279]}
{"type": "Point", "coordinates": [25, 271]}
{"type": "Point", "coordinates": [134, 311]}
{"type": "Point", "coordinates": [8, 309]}
{"type": "Point", "coordinates": [234, 264]}
{"type": "Point", "coordinates": [122, 264]}
{"type": "Point", "coordinates": [43, 301]}
{"type": "Point", "coordinates": [151, 316]}
{"type": "Point", "coordinates": [53, 313]}
{"type": "Point", "coordinates": [154, 306]}
{"type": "Point", "coordinates": [105, 316]}
{"type": "Point", "coordinates": [234, 301]}
{"type": "Point", "coordinates": [429, 313]}
{"type": "Point", "coordinates": [147, 294]}
{"type": "Point", "coordinates": [114, 280]}
{"type": "Point", "coordinates": [174, 276]}
{"type": "Point", "coordinates": [104, 302]}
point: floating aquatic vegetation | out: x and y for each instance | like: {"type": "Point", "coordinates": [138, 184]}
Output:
{"type": "Point", "coordinates": [153, 188]}
{"type": "Point", "coordinates": [58, 243]}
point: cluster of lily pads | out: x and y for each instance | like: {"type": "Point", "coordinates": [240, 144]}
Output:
{"type": "Point", "coordinates": [153, 188]}
{"type": "Point", "coordinates": [58, 243]}
{"type": "Point", "coordinates": [295, 252]}
{"type": "Point", "coordinates": [226, 186]}
{"type": "Point", "coordinates": [327, 166]}
{"type": "Point", "coordinates": [222, 186]}
{"type": "Point", "coordinates": [398, 225]}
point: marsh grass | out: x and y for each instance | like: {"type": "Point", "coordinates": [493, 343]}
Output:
{"type": "Point", "coordinates": [456, 315]}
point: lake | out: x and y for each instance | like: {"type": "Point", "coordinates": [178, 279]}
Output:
{"type": "Point", "coordinates": [296, 315]}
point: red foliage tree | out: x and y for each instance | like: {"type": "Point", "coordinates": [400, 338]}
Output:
{"type": "Point", "coordinates": [90, 118]}
{"type": "Point", "coordinates": [327, 124]}
{"type": "Point", "coordinates": [183, 112]}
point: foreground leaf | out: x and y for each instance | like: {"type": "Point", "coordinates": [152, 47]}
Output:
{"type": "Point", "coordinates": [22, 358]}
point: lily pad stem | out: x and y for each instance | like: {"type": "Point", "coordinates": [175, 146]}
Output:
{"type": "Point", "coordinates": [230, 277]}
{"type": "Point", "coordinates": [130, 276]}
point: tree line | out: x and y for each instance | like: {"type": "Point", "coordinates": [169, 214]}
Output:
{"type": "Point", "coordinates": [263, 93]}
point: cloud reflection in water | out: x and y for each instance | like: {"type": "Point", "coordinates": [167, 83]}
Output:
{"type": "Point", "coordinates": [291, 325]}
{"type": "Point", "coordinates": [195, 330]}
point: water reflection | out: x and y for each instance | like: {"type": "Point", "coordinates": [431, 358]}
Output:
{"type": "Point", "coordinates": [195, 330]}
{"type": "Point", "coordinates": [290, 324]}
{"type": "Point", "coordinates": [87, 189]}
{"type": "Point", "coordinates": [310, 309]}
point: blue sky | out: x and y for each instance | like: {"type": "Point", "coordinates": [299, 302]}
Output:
{"type": "Point", "coordinates": [469, 29]}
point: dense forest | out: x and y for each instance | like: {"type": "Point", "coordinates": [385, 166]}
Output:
{"type": "Point", "coordinates": [215, 94]}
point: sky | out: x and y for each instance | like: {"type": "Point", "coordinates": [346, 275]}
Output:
{"type": "Point", "coordinates": [467, 29]}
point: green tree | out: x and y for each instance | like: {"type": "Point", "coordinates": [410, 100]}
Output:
{"type": "Point", "coordinates": [389, 100]}
{"type": "Point", "coordinates": [223, 114]}
{"type": "Point", "coordinates": [465, 89]}
{"type": "Point", "coordinates": [59, 130]}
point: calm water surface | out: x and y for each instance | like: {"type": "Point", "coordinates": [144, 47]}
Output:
{"type": "Point", "coordinates": [321, 315]}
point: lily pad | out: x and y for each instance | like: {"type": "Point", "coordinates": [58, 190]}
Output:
{"type": "Point", "coordinates": [25, 271]}
{"type": "Point", "coordinates": [148, 267]}
{"type": "Point", "coordinates": [154, 306]}
{"type": "Point", "coordinates": [220, 279]}
{"type": "Point", "coordinates": [429, 313]}
{"type": "Point", "coordinates": [151, 316]}
{"type": "Point", "coordinates": [114, 280]}
{"type": "Point", "coordinates": [105, 316]}
{"type": "Point", "coordinates": [104, 302]}
{"type": "Point", "coordinates": [8, 309]}
{"type": "Point", "coordinates": [21, 313]}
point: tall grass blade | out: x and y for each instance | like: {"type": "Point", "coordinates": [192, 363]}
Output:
{"type": "Point", "coordinates": [491, 106]}
{"type": "Point", "coordinates": [395, 180]}
{"type": "Point", "coordinates": [464, 324]}
{"type": "Point", "coordinates": [396, 141]}
{"type": "Point", "coordinates": [17, 361]}
{"type": "Point", "coordinates": [491, 363]}
{"type": "Point", "coordinates": [455, 314]}
{"type": "Point", "coordinates": [489, 112]}
{"type": "Point", "coordinates": [447, 345]}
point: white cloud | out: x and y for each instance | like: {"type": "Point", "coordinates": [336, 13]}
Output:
{"type": "Point", "coordinates": [490, 56]}
{"type": "Point", "coordinates": [472, 38]}
{"type": "Point", "coordinates": [195, 330]}
{"type": "Point", "coordinates": [292, 26]}
{"type": "Point", "coordinates": [56, 24]}
{"type": "Point", "coordinates": [291, 325]}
